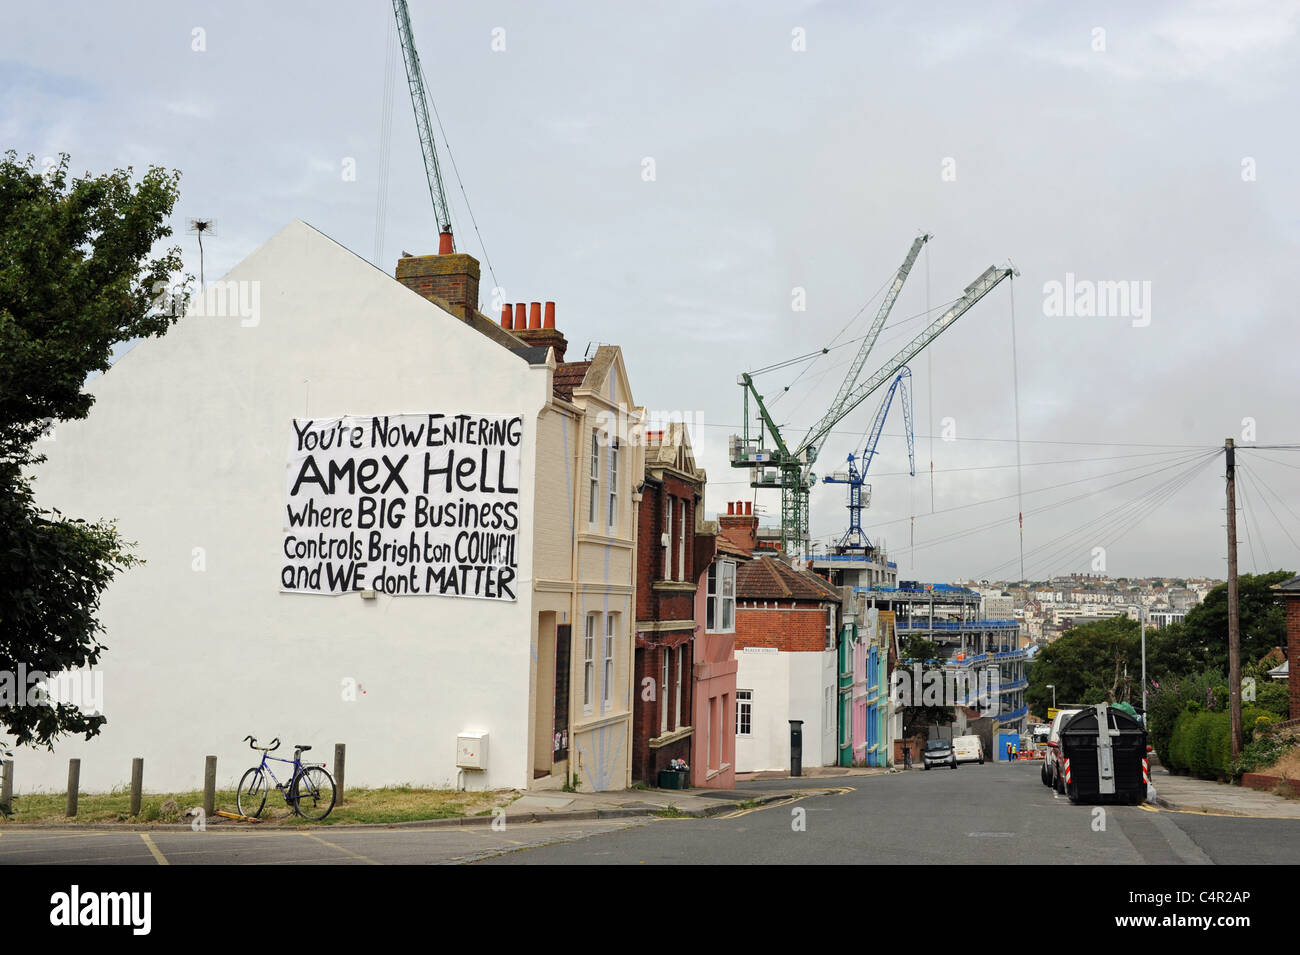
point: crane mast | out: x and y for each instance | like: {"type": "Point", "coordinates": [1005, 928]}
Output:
{"type": "Point", "coordinates": [420, 103]}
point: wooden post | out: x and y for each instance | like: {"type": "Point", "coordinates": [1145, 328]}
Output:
{"type": "Point", "coordinates": [137, 784]}
{"type": "Point", "coordinates": [74, 780]}
{"type": "Point", "coordinates": [7, 784]}
{"type": "Point", "coordinates": [1234, 621]}
{"type": "Point", "coordinates": [210, 786]}
{"type": "Point", "coordinates": [340, 751]}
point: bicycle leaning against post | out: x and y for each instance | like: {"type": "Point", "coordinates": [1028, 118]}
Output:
{"type": "Point", "coordinates": [309, 792]}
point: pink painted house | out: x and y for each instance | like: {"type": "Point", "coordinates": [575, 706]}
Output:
{"type": "Point", "coordinates": [713, 745]}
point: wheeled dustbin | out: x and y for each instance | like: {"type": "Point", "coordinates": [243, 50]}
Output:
{"type": "Point", "coordinates": [1104, 756]}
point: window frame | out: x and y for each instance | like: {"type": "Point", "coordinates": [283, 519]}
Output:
{"type": "Point", "coordinates": [668, 538]}
{"type": "Point", "coordinates": [663, 691]}
{"type": "Point", "coordinates": [593, 505]}
{"type": "Point", "coordinates": [681, 543]}
{"type": "Point", "coordinates": [588, 662]}
{"type": "Point", "coordinates": [744, 712]}
{"type": "Point", "coordinates": [611, 631]}
{"type": "Point", "coordinates": [681, 661]}
{"type": "Point", "coordinates": [830, 627]}
{"type": "Point", "coordinates": [611, 519]}
{"type": "Point", "coordinates": [717, 602]}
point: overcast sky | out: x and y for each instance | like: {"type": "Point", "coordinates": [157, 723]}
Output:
{"type": "Point", "coordinates": [1145, 143]}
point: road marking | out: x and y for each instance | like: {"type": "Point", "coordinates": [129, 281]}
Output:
{"type": "Point", "coordinates": [348, 852]}
{"type": "Point", "coordinates": [1206, 812]}
{"type": "Point", "coordinates": [153, 849]}
{"type": "Point", "coordinates": [787, 800]}
{"type": "Point", "coordinates": [991, 835]}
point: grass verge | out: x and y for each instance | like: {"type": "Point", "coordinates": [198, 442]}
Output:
{"type": "Point", "coordinates": [387, 805]}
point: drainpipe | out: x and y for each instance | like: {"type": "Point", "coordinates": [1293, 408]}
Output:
{"type": "Point", "coordinates": [578, 444]}
{"type": "Point", "coordinates": [638, 467]}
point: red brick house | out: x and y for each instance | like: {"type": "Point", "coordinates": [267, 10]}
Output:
{"type": "Point", "coordinates": [666, 582]}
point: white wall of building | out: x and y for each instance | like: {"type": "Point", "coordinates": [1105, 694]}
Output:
{"type": "Point", "coordinates": [787, 686]}
{"type": "Point", "coordinates": [187, 448]}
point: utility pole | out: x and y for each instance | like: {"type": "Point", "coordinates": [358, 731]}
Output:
{"type": "Point", "coordinates": [1234, 625]}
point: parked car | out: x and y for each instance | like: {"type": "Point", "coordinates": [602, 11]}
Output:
{"type": "Point", "coordinates": [939, 752]}
{"type": "Point", "coordinates": [968, 749]}
{"type": "Point", "coordinates": [1051, 771]}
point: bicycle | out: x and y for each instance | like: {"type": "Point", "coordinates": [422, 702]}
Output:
{"type": "Point", "coordinates": [309, 788]}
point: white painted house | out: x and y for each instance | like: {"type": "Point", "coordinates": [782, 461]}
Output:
{"type": "Point", "coordinates": [192, 446]}
{"type": "Point", "coordinates": [787, 626]}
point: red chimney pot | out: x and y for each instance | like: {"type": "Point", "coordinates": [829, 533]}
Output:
{"type": "Point", "coordinates": [549, 321]}
{"type": "Point", "coordinates": [444, 243]}
{"type": "Point", "coordinates": [731, 508]}
{"type": "Point", "coordinates": [749, 508]}
{"type": "Point", "coordinates": [507, 319]}
{"type": "Point", "coordinates": [535, 315]}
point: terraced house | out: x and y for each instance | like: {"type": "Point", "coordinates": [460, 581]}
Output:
{"type": "Point", "coordinates": [369, 514]}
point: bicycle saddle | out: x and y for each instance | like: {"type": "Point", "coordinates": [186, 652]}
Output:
{"type": "Point", "coordinates": [301, 748]}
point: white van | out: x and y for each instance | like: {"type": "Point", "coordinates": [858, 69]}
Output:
{"type": "Point", "coordinates": [968, 749]}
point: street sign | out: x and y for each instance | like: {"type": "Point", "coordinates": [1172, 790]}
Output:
{"type": "Point", "coordinates": [1051, 712]}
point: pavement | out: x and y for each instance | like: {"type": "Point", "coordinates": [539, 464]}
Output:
{"type": "Point", "coordinates": [1186, 794]}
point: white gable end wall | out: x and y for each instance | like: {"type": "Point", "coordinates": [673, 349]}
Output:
{"type": "Point", "coordinates": [187, 447]}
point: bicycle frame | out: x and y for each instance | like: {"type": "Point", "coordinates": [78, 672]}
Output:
{"type": "Point", "coordinates": [296, 763]}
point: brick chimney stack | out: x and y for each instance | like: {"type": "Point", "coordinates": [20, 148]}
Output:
{"type": "Point", "coordinates": [739, 525]}
{"type": "Point", "coordinates": [449, 279]}
{"type": "Point", "coordinates": [528, 323]}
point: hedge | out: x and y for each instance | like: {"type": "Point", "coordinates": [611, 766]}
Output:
{"type": "Point", "coordinates": [1201, 743]}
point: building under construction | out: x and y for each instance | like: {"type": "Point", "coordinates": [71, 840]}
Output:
{"type": "Point", "coordinates": [988, 652]}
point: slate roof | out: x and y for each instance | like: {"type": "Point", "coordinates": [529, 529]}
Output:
{"type": "Point", "coordinates": [568, 376]}
{"type": "Point", "coordinates": [1290, 586]}
{"type": "Point", "coordinates": [770, 578]}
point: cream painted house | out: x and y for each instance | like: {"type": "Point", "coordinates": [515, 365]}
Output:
{"type": "Point", "coordinates": [195, 445]}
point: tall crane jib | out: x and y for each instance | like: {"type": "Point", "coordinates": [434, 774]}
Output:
{"type": "Point", "coordinates": [420, 103]}
{"type": "Point", "coordinates": [789, 467]}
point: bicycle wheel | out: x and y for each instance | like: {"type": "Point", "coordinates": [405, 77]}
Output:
{"type": "Point", "coordinates": [252, 793]}
{"type": "Point", "coordinates": [312, 793]}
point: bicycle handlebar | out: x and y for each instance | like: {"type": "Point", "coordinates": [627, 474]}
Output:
{"type": "Point", "coordinates": [252, 744]}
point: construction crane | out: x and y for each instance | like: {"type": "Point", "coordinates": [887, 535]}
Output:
{"type": "Point", "coordinates": [788, 467]}
{"type": "Point", "coordinates": [420, 103]}
{"type": "Point", "coordinates": [860, 492]}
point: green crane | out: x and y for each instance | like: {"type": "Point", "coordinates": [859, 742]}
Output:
{"type": "Point", "coordinates": [788, 467]}
{"type": "Point", "coordinates": [420, 103]}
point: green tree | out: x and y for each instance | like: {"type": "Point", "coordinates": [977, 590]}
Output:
{"type": "Point", "coordinates": [1200, 641]}
{"type": "Point", "coordinates": [78, 276]}
{"type": "Point", "coordinates": [1092, 663]}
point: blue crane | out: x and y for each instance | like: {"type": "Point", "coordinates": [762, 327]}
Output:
{"type": "Point", "coordinates": [854, 478]}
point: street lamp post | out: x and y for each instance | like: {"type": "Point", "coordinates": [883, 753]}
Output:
{"type": "Point", "coordinates": [1142, 613]}
{"type": "Point", "coordinates": [1052, 687]}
